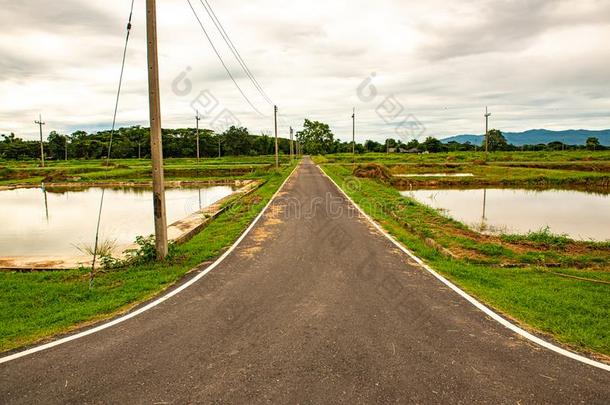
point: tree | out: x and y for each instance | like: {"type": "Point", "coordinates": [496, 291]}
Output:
{"type": "Point", "coordinates": [263, 145]}
{"type": "Point", "coordinates": [14, 148]}
{"type": "Point", "coordinates": [316, 138]}
{"type": "Point", "coordinates": [237, 141]}
{"type": "Point", "coordinates": [372, 146]}
{"type": "Point", "coordinates": [555, 145]}
{"type": "Point", "coordinates": [592, 143]}
{"type": "Point", "coordinates": [8, 138]}
{"type": "Point", "coordinates": [390, 143]}
{"type": "Point", "coordinates": [497, 141]}
{"type": "Point", "coordinates": [413, 143]}
{"type": "Point", "coordinates": [57, 144]}
{"type": "Point", "coordinates": [432, 145]}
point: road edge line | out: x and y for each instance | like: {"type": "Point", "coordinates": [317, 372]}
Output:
{"type": "Point", "coordinates": [157, 301]}
{"type": "Point", "coordinates": [483, 308]}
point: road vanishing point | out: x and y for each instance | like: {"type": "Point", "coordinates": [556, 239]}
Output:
{"type": "Point", "coordinates": [313, 305]}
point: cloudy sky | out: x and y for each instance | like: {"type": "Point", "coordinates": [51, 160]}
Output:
{"type": "Point", "coordinates": [410, 68]}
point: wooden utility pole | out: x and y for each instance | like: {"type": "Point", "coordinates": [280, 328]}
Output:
{"type": "Point", "coordinates": [277, 159]}
{"type": "Point", "coordinates": [40, 124]}
{"type": "Point", "coordinates": [487, 114]}
{"type": "Point", "coordinates": [156, 145]}
{"type": "Point", "coordinates": [291, 146]}
{"type": "Point", "coordinates": [197, 119]}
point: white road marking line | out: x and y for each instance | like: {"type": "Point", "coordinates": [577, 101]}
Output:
{"type": "Point", "coordinates": [154, 303]}
{"type": "Point", "coordinates": [472, 300]}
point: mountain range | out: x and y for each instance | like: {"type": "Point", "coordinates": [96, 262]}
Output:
{"type": "Point", "coordinates": [536, 136]}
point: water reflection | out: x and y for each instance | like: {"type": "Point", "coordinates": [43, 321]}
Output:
{"type": "Point", "coordinates": [484, 206]}
{"type": "Point", "coordinates": [435, 175]}
{"type": "Point", "coordinates": [46, 203]}
{"type": "Point", "coordinates": [49, 221]}
{"type": "Point", "coordinates": [580, 215]}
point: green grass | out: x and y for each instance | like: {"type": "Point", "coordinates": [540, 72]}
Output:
{"type": "Point", "coordinates": [40, 304]}
{"type": "Point", "coordinates": [575, 312]}
{"type": "Point", "coordinates": [472, 157]}
{"type": "Point", "coordinates": [582, 170]}
{"type": "Point", "coordinates": [238, 167]}
{"type": "Point", "coordinates": [542, 236]}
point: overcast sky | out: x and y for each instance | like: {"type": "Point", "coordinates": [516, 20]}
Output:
{"type": "Point", "coordinates": [434, 65]}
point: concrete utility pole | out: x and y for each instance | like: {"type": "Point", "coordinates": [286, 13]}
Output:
{"type": "Point", "coordinates": [277, 158]}
{"type": "Point", "coordinates": [487, 114]}
{"type": "Point", "coordinates": [354, 135]}
{"type": "Point", "coordinates": [66, 147]}
{"type": "Point", "coordinates": [219, 142]}
{"type": "Point", "coordinates": [197, 119]}
{"type": "Point", "coordinates": [156, 145]}
{"type": "Point", "coordinates": [291, 146]}
{"type": "Point", "coordinates": [40, 124]}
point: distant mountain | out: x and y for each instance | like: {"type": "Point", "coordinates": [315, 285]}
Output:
{"type": "Point", "coordinates": [536, 136]}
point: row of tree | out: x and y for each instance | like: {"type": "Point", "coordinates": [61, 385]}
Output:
{"type": "Point", "coordinates": [134, 142]}
{"type": "Point", "coordinates": [316, 138]}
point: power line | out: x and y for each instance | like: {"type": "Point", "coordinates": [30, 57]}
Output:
{"type": "Point", "coordinates": [208, 8]}
{"type": "Point", "coordinates": [221, 60]}
{"type": "Point", "coordinates": [116, 107]}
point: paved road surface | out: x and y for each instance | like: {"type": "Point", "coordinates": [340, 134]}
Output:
{"type": "Point", "coordinates": [314, 306]}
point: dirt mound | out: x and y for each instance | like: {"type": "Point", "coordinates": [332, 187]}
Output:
{"type": "Point", "coordinates": [373, 171]}
{"type": "Point", "coordinates": [55, 176]}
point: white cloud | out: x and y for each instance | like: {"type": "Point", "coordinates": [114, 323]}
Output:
{"type": "Point", "coordinates": [535, 63]}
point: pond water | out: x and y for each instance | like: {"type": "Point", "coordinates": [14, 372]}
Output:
{"type": "Point", "coordinates": [37, 222]}
{"type": "Point", "coordinates": [580, 215]}
{"type": "Point", "coordinates": [435, 175]}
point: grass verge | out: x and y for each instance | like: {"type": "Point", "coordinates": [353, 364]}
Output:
{"type": "Point", "coordinates": [34, 306]}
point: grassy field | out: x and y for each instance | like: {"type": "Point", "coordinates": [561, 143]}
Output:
{"type": "Point", "coordinates": [30, 172]}
{"type": "Point", "coordinates": [575, 170]}
{"type": "Point", "coordinates": [529, 278]}
{"type": "Point", "coordinates": [472, 157]}
{"type": "Point", "coordinates": [37, 305]}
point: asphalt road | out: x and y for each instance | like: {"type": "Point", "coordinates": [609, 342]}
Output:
{"type": "Point", "coordinates": [314, 306]}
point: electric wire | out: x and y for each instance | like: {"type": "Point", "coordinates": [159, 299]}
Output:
{"type": "Point", "coordinates": [208, 8]}
{"type": "Point", "coordinates": [221, 60]}
{"type": "Point", "coordinates": [116, 107]}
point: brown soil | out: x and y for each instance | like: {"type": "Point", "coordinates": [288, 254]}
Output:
{"type": "Point", "coordinates": [373, 171]}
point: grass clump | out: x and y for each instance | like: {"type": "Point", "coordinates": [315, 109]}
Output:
{"type": "Point", "coordinates": [542, 236]}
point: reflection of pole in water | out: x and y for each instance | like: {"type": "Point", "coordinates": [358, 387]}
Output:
{"type": "Point", "coordinates": [46, 205]}
{"type": "Point", "coordinates": [484, 207]}
{"type": "Point", "coordinates": [199, 199]}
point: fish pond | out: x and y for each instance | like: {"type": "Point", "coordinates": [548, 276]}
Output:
{"type": "Point", "coordinates": [579, 215]}
{"type": "Point", "coordinates": [57, 222]}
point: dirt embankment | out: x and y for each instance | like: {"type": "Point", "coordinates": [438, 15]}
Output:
{"type": "Point", "coordinates": [373, 171]}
